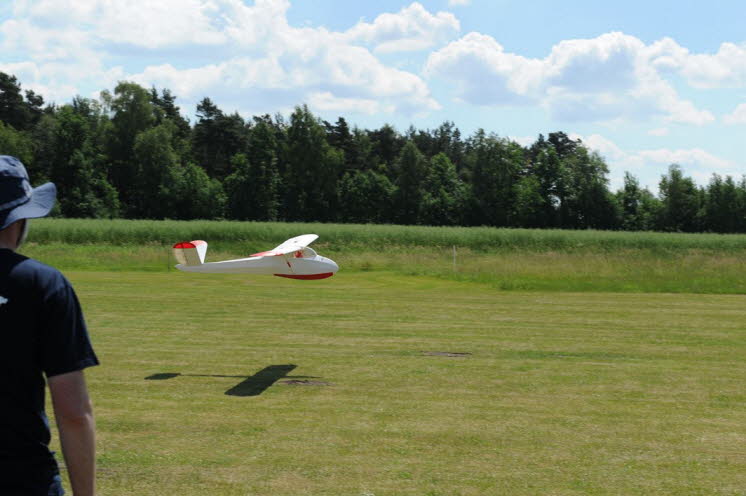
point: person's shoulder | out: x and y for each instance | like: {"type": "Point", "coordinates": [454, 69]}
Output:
{"type": "Point", "coordinates": [38, 274]}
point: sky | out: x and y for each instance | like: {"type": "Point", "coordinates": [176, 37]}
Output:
{"type": "Point", "coordinates": [644, 83]}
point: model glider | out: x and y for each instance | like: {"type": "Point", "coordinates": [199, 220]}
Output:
{"type": "Point", "coordinates": [292, 259]}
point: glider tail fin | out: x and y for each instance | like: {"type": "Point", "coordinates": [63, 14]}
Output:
{"type": "Point", "coordinates": [190, 252]}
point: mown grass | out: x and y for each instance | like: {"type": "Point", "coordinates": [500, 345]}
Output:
{"type": "Point", "coordinates": [584, 378]}
{"type": "Point", "coordinates": [563, 393]}
{"type": "Point", "coordinates": [507, 259]}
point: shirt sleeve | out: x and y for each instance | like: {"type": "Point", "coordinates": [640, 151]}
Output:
{"type": "Point", "coordinates": [65, 344]}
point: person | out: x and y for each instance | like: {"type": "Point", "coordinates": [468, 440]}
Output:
{"type": "Point", "coordinates": [42, 334]}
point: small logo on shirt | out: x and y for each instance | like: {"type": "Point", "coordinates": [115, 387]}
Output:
{"type": "Point", "coordinates": [3, 300]}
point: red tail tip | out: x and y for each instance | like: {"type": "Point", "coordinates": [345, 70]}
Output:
{"type": "Point", "coordinates": [189, 244]}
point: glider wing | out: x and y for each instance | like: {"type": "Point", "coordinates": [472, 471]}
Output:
{"type": "Point", "coordinates": [292, 245]}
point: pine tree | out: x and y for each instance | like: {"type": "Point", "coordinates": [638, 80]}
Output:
{"type": "Point", "coordinates": [444, 193]}
{"type": "Point", "coordinates": [411, 168]}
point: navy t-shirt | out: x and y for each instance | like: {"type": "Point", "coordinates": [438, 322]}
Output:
{"type": "Point", "coordinates": [42, 333]}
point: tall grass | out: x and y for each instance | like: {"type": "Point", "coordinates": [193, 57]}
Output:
{"type": "Point", "coordinates": [343, 237]}
{"type": "Point", "coordinates": [505, 259]}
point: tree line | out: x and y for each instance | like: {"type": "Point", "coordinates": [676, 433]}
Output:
{"type": "Point", "coordinates": [131, 153]}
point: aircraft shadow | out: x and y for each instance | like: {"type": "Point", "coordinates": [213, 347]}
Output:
{"type": "Point", "coordinates": [251, 386]}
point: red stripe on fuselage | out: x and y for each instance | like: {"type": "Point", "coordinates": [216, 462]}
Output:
{"type": "Point", "coordinates": [265, 254]}
{"type": "Point", "coordinates": [323, 275]}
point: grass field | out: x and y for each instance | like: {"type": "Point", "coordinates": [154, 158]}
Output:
{"type": "Point", "coordinates": [573, 364]}
{"type": "Point", "coordinates": [563, 393]}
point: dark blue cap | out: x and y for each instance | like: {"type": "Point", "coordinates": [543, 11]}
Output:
{"type": "Point", "coordinates": [18, 200]}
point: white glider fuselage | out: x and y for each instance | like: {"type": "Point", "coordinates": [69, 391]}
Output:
{"type": "Point", "coordinates": [274, 265]}
{"type": "Point", "coordinates": [292, 259]}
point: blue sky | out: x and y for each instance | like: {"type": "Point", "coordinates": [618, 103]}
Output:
{"type": "Point", "coordinates": [646, 84]}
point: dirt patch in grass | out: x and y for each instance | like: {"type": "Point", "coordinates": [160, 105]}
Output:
{"type": "Point", "coordinates": [455, 354]}
{"type": "Point", "coordinates": [304, 382]}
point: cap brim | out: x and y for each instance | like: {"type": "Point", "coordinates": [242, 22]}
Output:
{"type": "Point", "coordinates": [41, 203]}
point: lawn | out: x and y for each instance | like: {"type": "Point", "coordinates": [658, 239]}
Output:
{"type": "Point", "coordinates": [233, 385]}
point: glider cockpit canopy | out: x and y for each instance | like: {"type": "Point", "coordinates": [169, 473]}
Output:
{"type": "Point", "coordinates": [297, 246]}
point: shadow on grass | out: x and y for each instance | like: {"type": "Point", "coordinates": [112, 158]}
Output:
{"type": "Point", "coordinates": [252, 386]}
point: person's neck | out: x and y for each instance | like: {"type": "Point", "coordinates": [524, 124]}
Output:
{"type": "Point", "coordinates": [9, 238]}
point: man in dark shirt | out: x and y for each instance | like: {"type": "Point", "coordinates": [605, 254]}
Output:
{"type": "Point", "coordinates": [42, 333]}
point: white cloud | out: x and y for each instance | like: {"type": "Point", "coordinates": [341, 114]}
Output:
{"type": "Point", "coordinates": [726, 68]}
{"type": "Point", "coordinates": [458, 3]}
{"type": "Point", "coordinates": [246, 56]}
{"type": "Point", "coordinates": [738, 116]}
{"type": "Point", "coordinates": [523, 140]}
{"type": "Point", "coordinates": [249, 53]}
{"type": "Point", "coordinates": [132, 22]}
{"type": "Point", "coordinates": [484, 72]}
{"type": "Point", "coordinates": [350, 76]}
{"type": "Point", "coordinates": [412, 28]}
{"type": "Point", "coordinates": [649, 165]}
{"type": "Point", "coordinates": [692, 157]}
{"type": "Point", "coordinates": [697, 163]}
{"type": "Point", "coordinates": [327, 101]}
{"type": "Point", "coordinates": [604, 146]}
{"type": "Point", "coordinates": [606, 78]}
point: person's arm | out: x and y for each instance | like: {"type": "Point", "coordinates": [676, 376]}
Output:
{"type": "Point", "coordinates": [74, 415]}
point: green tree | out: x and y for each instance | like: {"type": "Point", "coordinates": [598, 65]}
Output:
{"type": "Point", "coordinates": [740, 213]}
{"type": "Point", "coordinates": [496, 165]}
{"type": "Point", "coordinates": [650, 210]}
{"type": "Point", "coordinates": [447, 139]}
{"type": "Point", "coordinates": [253, 188]}
{"type": "Point", "coordinates": [90, 194]}
{"type": "Point", "coordinates": [573, 183]}
{"type": "Point", "coordinates": [17, 144]}
{"type": "Point", "coordinates": [240, 190]}
{"type": "Point", "coordinates": [154, 185]}
{"type": "Point", "coordinates": [77, 169]}
{"type": "Point", "coordinates": [411, 168]}
{"type": "Point", "coordinates": [216, 138]}
{"type": "Point", "coordinates": [529, 206]}
{"type": "Point", "coordinates": [43, 140]}
{"type": "Point", "coordinates": [339, 136]}
{"type": "Point", "coordinates": [386, 145]}
{"type": "Point", "coordinates": [14, 111]}
{"type": "Point", "coordinates": [193, 195]}
{"type": "Point", "coordinates": [444, 193]}
{"type": "Point", "coordinates": [166, 109]}
{"type": "Point", "coordinates": [722, 205]}
{"type": "Point", "coordinates": [630, 201]}
{"type": "Point", "coordinates": [365, 197]}
{"type": "Point", "coordinates": [132, 114]}
{"type": "Point", "coordinates": [587, 201]}
{"type": "Point", "coordinates": [34, 105]}
{"type": "Point", "coordinates": [548, 169]}
{"type": "Point", "coordinates": [312, 168]}
{"type": "Point", "coordinates": [361, 152]}
{"type": "Point", "coordinates": [680, 202]}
